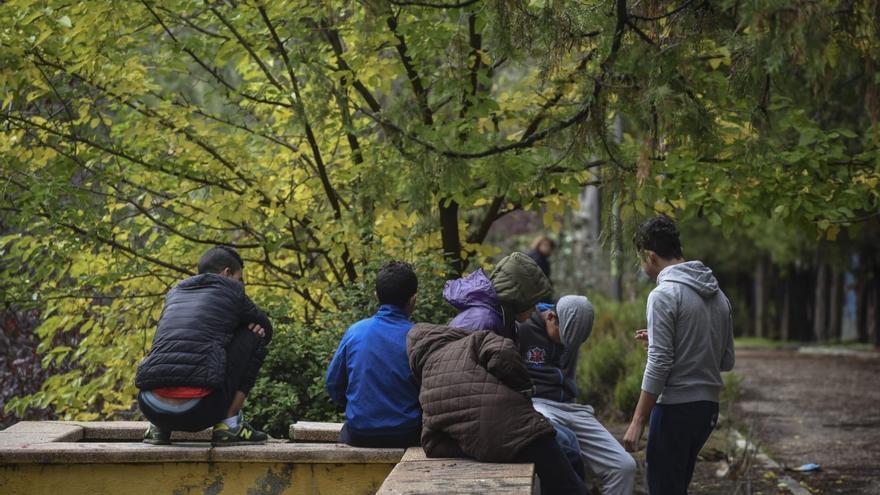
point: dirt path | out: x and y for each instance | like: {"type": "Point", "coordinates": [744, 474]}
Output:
{"type": "Point", "coordinates": [823, 409]}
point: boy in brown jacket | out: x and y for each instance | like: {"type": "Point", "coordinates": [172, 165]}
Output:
{"type": "Point", "coordinates": [474, 392]}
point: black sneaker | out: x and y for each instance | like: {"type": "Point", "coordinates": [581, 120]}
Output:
{"type": "Point", "coordinates": [156, 436]}
{"type": "Point", "coordinates": [245, 434]}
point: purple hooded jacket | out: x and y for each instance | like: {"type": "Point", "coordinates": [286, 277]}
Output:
{"type": "Point", "coordinates": [474, 296]}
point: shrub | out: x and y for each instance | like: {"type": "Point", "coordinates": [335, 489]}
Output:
{"type": "Point", "coordinates": [628, 388]}
{"type": "Point", "coordinates": [290, 386]}
{"type": "Point", "coordinates": [599, 369]}
{"type": "Point", "coordinates": [611, 362]}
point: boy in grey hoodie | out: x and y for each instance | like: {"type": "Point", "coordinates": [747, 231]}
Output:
{"type": "Point", "coordinates": [549, 342]}
{"type": "Point", "coordinates": [690, 342]}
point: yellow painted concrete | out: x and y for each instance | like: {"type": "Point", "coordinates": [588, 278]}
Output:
{"type": "Point", "coordinates": [228, 478]}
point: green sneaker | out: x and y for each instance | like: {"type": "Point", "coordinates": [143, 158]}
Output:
{"type": "Point", "coordinates": [245, 434]}
{"type": "Point", "coordinates": [156, 436]}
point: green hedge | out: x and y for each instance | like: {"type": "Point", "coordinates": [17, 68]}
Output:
{"type": "Point", "coordinates": [611, 362]}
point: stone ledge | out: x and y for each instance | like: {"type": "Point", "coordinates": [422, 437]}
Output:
{"type": "Point", "coordinates": [41, 432]}
{"type": "Point", "coordinates": [132, 431]}
{"type": "Point", "coordinates": [315, 432]}
{"type": "Point", "coordinates": [75, 431]}
{"type": "Point", "coordinates": [417, 474]}
{"type": "Point", "coordinates": [124, 452]}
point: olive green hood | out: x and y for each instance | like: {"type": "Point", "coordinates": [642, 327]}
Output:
{"type": "Point", "coordinates": [519, 283]}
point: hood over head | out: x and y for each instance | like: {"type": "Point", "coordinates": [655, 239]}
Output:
{"type": "Point", "coordinates": [575, 320]}
{"type": "Point", "coordinates": [519, 283]}
{"type": "Point", "coordinates": [473, 290]}
{"type": "Point", "coordinates": [694, 274]}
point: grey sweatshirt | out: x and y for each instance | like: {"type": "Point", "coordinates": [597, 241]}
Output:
{"type": "Point", "coordinates": [690, 335]}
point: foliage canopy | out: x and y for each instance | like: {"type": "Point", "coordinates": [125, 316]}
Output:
{"type": "Point", "coordinates": [319, 136]}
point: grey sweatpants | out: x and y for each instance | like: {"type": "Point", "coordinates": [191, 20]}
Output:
{"type": "Point", "coordinates": [603, 455]}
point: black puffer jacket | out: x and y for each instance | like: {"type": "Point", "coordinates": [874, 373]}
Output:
{"type": "Point", "coordinates": [200, 317]}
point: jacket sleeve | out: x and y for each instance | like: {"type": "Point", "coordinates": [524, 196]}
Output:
{"type": "Point", "coordinates": [728, 359]}
{"type": "Point", "coordinates": [473, 319]}
{"type": "Point", "coordinates": [337, 376]}
{"type": "Point", "coordinates": [439, 444]}
{"type": "Point", "coordinates": [501, 358]}
{"type": "Point", "coordinates": [662, 308]}
{"type": "Point", "coordinates": [253, 314]}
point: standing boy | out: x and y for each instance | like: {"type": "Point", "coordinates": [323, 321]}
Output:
{"type": "Point", "coordinates": [206, 354]}
{"type": "Point", "coordinates": [369, 375]}
{"type": "Point", "coordinates": [690, 342]}
{"type": "Point", "coordinates": [549, 343]}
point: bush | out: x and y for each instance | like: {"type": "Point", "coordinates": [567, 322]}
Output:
{"type": "Point", "coordinates": [629, 387]}
{"type": "Point", "coordinates": [611, 363]}
{"type": "Point", "coordinates": [290, 386]}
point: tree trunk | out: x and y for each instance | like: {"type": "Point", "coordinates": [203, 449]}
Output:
{"type": "Point", "coordinates": [760, 292]}
{"type": "Point", "coordinates": [785, 320]}
{"type": "Point", "coordinates": [616, 250]}
{"type": "Point", "coordinates": [835, 308]}
{"type": "Point", "coordinates": [820, 306]}
{"type": "Point", "coordinates": [451, 238]}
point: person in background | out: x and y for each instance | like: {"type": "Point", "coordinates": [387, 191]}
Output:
{"type": "Point", "coordinates": [209, 346]}
{"type": "Point", "coordinates": [690, 342]}
{"type": "Point", "coordinates": [542, 249]}
{"type": "Point", "coordinates": [369, 375]}
{"type": "Point", "coordinates": [548, 343]}
{"type": "Point", "coordinates": [475, 393]}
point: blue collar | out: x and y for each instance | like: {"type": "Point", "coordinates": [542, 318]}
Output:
{"type": "Point", "coordinates": [392, 311]}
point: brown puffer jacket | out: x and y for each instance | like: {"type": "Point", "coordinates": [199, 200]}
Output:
{"type": "Point", "coordinates": [474, 389]}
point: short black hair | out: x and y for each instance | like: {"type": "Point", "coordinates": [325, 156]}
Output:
{"type": "Point", "coordinates": [396, 283]}
{"type": "Point", "coordinates": [659, 234]}
{"type": "Point", "coordinates": [219, 257]}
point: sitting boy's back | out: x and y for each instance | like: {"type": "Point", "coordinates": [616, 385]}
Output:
{"type": "Point", "coordinates": [370, 376]}
{"type": "Point", "coordinates": [475, 393]}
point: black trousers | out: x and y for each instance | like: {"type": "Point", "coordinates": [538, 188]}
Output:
{"type": "Point", "coordinates": [553, 467]}
{"type": "Point", "coordinates": [675, 437]}
{"type": "Point", "coordinates": [214, 408]}
{"type": "Point", "coordinates": [397, 440]}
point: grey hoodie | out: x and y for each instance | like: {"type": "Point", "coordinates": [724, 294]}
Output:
{"type": "Point", "coordinates": [690, 335]}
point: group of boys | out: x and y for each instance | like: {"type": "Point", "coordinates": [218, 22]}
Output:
{"type": "Point", "coordinates": [497, 383]}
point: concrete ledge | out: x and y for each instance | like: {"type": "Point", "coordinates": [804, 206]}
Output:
{"type": "Point", "coordinates": [418, 474]}
{"type": "Point", "coordinates": [132, 431]}
{"type": "Point", "coordinates": [116, 453]}
{"type": "Point", "coordinates": [314, 432]}
{"type": "Point", "coordinates": [40, 432]}
{"type": "Point", "coordinates": [76, 431]}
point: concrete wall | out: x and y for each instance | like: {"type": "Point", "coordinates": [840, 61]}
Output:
{"type": "Point", "coordinates": [179, 478]}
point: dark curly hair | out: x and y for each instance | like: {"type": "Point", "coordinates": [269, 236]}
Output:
{"type": "Point", "coordinates": [660, 235]}
{"type": "Point", "coordinates": [219, 257]}
{"type": "Point", "coordinates": [396, 283]}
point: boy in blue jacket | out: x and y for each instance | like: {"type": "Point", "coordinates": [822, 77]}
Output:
{"type": "Point", "coordinates": [370, 376]}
